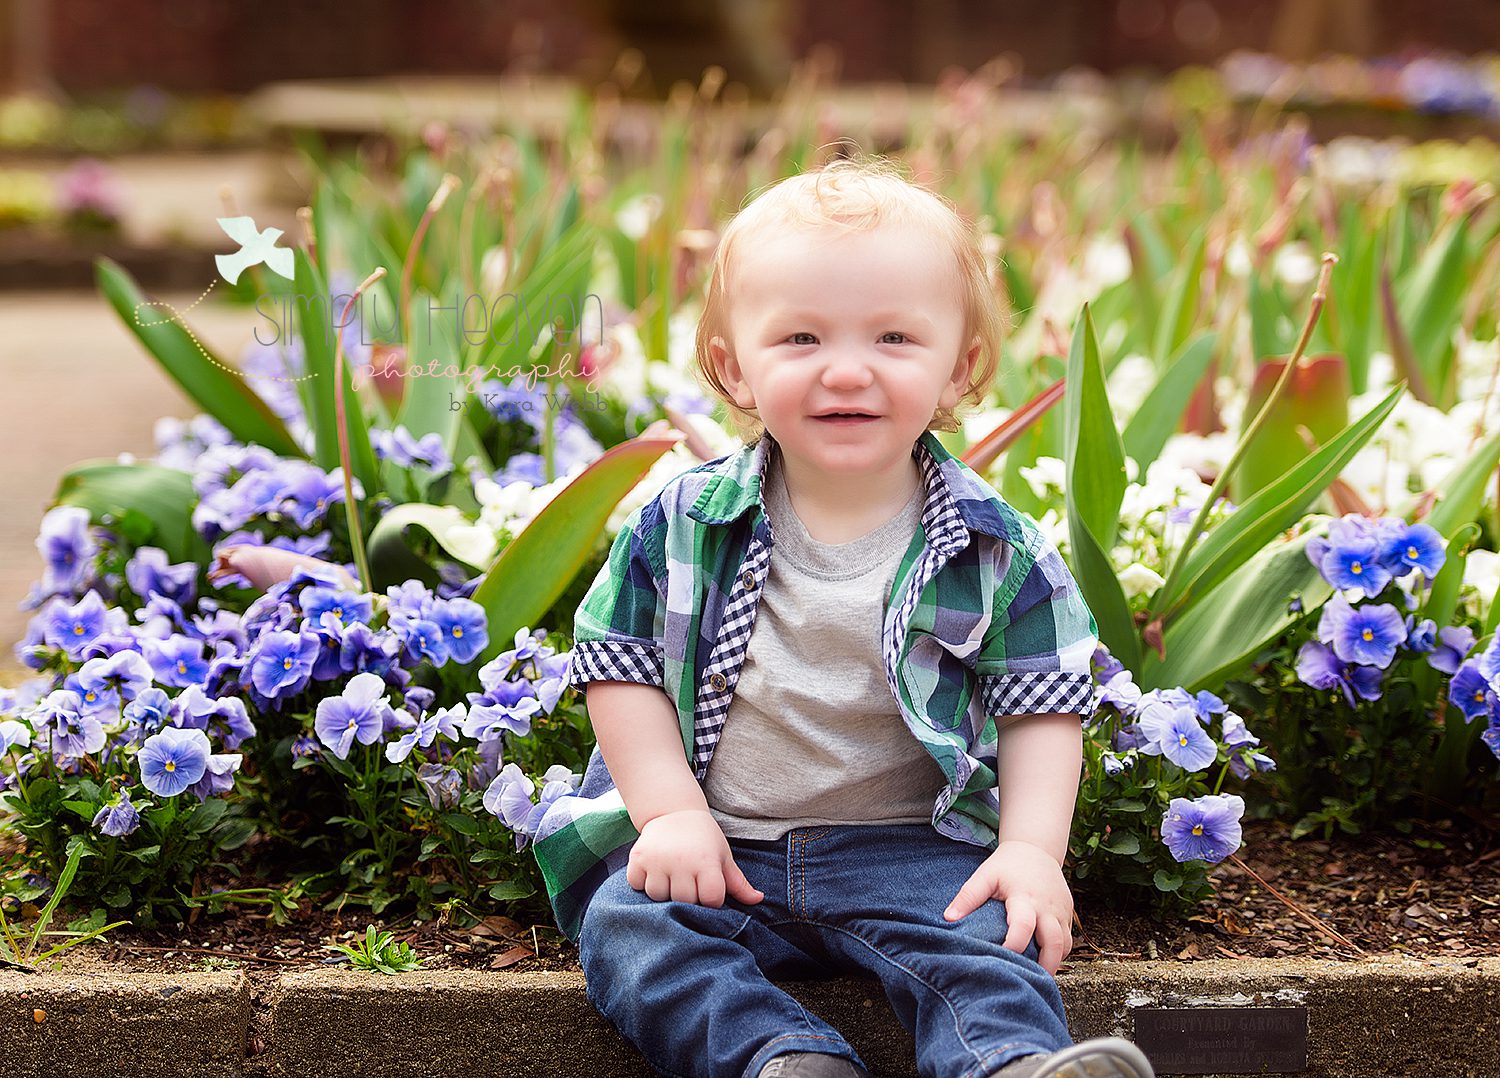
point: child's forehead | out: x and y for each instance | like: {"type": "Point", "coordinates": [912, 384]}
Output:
{"type": "Point", "coordinates": [767, 254]}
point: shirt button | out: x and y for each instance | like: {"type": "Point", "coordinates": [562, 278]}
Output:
{"type": "Point", "coordinates": [718, 681]}
{"type": "Point", "coordinates": [747, 578]}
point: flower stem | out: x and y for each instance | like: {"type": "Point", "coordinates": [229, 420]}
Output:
{"type": "Point", "coordinates": [351, 510]}
{"type": "Point", "coordinates": [449, 184]}
{"type": "Point", "coordinates": [1320, 296]}
{"type": "Point", "coordinates": [1298, 910]}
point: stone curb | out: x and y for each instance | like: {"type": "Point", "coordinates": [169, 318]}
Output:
{"type": "Point", "coordinates": [1381, 1017]}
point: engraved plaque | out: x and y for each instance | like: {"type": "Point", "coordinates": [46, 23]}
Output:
{"type": "Point", "coordinates": [1223, 1040]}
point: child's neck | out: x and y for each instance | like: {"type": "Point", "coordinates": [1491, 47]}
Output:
{"type": "Point", "coordinates": [834, 509]}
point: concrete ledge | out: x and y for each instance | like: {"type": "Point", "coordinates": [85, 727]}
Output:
{"type": "Point", "coordinates": [1385, 1017]}
{"type": "Point", "coordinates": [90, 1024]}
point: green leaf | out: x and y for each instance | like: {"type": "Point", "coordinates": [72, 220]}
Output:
{"type": "Point", "coordinates": [315, 319]}
{"type": "Point", "coordinates": [392, 560]}
{"type": "Point", "coordinates": [1462, 490]}
{"type": "Point", "coordinates": [165, 496]}
{"type": "Point", "coordinates": [512, 890]}
{"type": "Point", "coordinates": [1272, 510]}
{"type": "Point", "coordinates": [1219, 634]}
{"type": "Point", "coordinates": [1123, 843]}
{"type": "Point", "coordinates": [1166, 881]}
{"type": "Point", "coordinates": [1181, 308]}
{"type": "Point", "coordinates": [1430, 302]}
{"type": "Point", "coordinates": [1161, 412]}
{"type": "Point", "coordinates": [464, 825]}
{"type": "Point", "coordinates": [539, 564]}
{"type": "Point", "coordinates": [1442, 600]}
{"type": "Point", "coordinates": [427, 401]}
{"type": "Point", "coordinates": [203, 818]}
{"type": "Point", "coordinates": [1096, 484]}
{"type": "Point", "coordinates": [1095, 455]}
{"type": "Point", "coordinates": [206, 378]}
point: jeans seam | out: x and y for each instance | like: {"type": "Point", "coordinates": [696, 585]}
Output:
{"type": "Point", "coordinates": [805, 840]}
{"type": "Point", "coordinates": [957, 1026]}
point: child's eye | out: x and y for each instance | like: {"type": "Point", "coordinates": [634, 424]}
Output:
{"type": "Point", "coordinates": [810, 338]}
{"type": "Point", "coordinates": [893, 333]}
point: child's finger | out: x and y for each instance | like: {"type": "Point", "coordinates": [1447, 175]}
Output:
{"type": "Point", "coordinates": [1054, 941]}
{"type": "Point", "coordinates": [738, 886]}
{"type": "Point", "coordinates": [975, 892]}
{"type": "Point", "coordinates": [1021, 921]}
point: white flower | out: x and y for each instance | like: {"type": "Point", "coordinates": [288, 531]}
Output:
{"type": "Point", "coordinates": [1294, 264]}
{"type": "Point", "coordinates": [1137, 579]}
{"type": "Point", "coordinates": [1129, 384]}
{"type": "Point", "coordinates": [634, 218]}
{"type": "Point", "coordinates": [1237, 257]}
{"type": "Point", "coordinates": [1482, 573]}
{"type": "Point", "coordinates": [1055, 528]}
{"type": "Point", "coordinates": [1046, 478]}
{"type": "Point", "coordinates": [1106, 261]}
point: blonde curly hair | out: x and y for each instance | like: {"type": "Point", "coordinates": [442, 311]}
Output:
{"type": "Point", "coordinates": [856, 194]}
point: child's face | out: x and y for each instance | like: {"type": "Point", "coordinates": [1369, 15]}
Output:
{"type": "Point", "coordinates": [868, 321]}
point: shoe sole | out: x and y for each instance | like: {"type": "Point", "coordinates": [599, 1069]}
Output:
{"type": "Point", "coordinates": [1124, 1060]}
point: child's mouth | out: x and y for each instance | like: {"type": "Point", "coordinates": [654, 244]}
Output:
{"type": "Point", "coordinates": [846, 419]}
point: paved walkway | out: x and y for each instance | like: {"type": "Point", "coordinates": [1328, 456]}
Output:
{"type": "Point", "coordinates": [79, 386]}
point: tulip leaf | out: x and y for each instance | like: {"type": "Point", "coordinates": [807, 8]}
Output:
{"type": "Point", "coordinates": [1094, 454]}
{"type": "Point", "coordinates": [392, 561]}
{"type": "Point", "coordinates": [217, 386]}
{"type": "Point", "coordinates": [315, 320]}
{"type": "Point", "coordinates": [1462, 490]}
{"type": "Point", "coordinates": [1161, 412]}
{"type": "Point", "coordinates": [539, 564]}
{"type": "Point", "coordinates": [1095, 462]}
{"type": "Point", "coordinates": [1181, 309]}
{"type": "Point", "coordinates": [1442, 600]}
{"type": "Point", "coordinates": [427, 401]}
{"type": "Point", "coordinates": [1272, 510]}
{"type": "Point", "coordinates": [1429, 301]}
{"type": "Point", "coordinates": [1218, 637]}
{"type": "Point", "coordinates": [164, 496]}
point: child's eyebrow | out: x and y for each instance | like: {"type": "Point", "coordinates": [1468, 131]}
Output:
{"type": "Point", "coordinates": [877, 317]}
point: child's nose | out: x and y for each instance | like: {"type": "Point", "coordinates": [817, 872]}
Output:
{"type": "Point", "coordinates": [846, 367]}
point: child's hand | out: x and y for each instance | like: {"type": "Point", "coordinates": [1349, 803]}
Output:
{"type": "Point", "coordinates": [684, 856]}
{"type": "Point", "coordinates": [1030, 883]}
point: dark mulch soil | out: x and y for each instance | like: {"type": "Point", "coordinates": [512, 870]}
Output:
{"type": "Point", "coordinates": [1433, 893]}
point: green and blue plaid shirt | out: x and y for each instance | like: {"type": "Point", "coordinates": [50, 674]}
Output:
{"type": "Point", "coordinates": [983, 620]}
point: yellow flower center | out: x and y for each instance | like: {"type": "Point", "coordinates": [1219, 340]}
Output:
{"type": "Point", "coordinates": [181, 667]}
{"type": "Point", "coordinates": [1368, 635]}
{"type": "Point", "coordinates": [338, 612]}
{"type": "Point", "coordinates": [78, 630]}
{"type": "Point", "coordinates": [1479, 697]}
{"type": "Point", "coordinates": [1182, 739]}
{"type": "Point", "coordinates": [1411, 552]}
{"type": "Point", "coordinates": [458, 632]}
{"type": "Point", "coordinates": [286, 664]}
{"type": "Point", "coordinates": [352, 724]}
{"type": "Point", "coordinates": [170, 766]}
{"type": "Point", "coordinates": [89, 696]}
{"type": "Point", "coordinates": [1356, 568]}
{"type": "Point", "coordinates": [1197, 829]}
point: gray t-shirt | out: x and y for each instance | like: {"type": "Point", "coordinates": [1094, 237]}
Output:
{"type": "Point", "coordinates": [813, 734]}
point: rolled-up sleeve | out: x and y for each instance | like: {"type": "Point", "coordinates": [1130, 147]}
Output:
{"type": "Point", "coordinates": [619, 624]}
{"type": "Point", "coordinates": [1036, 654]}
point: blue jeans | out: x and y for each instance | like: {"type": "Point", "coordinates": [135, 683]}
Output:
{"type": "Point", "coordinates": [690, 985]}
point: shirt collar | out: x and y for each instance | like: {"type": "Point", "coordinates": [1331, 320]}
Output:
{"type": "Point", "coordinates": [957, 498]}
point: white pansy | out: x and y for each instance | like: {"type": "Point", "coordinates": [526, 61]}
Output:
{"type": "Point", "coordinates": [626, 374]}
{"type": "Point", "coordinates": [1137, 579]}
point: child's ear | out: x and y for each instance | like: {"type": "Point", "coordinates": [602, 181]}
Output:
{"type": "Point", "coordinates": [730, 373]}
{"type": "Point", "coordinates": [962, 371]}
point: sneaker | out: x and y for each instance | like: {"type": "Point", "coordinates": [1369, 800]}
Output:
{"type": "Point", "coordinates": [1102, 1057]}
{"type": "Point", "coordinates": [812, 1065]}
